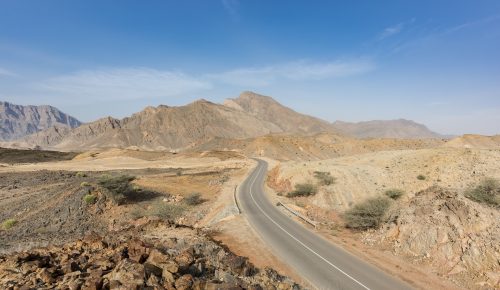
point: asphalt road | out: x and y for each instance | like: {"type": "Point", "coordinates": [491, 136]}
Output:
{"type": "Point", "coordinates": [320, 262]}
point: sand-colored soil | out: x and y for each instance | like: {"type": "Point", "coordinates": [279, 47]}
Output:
{"type": "Point", "coordinates": [366, 175]}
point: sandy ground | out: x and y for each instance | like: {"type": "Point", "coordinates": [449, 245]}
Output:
{"type": "Point", "coordinates": [123, 162]}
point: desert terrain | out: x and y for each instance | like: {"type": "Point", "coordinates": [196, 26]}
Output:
{"type": "Point", "coordinates": [120, 203]}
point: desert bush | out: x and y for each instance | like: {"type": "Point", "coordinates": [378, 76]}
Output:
{"type": "Point", "coordinates": [84, 184]}
{"type": "Point", "coordinates": [167, 210]}
{"type": "Point", "coordinates": [487, 191]}
{"type": "Point", "coordinates": [303, 189]}
{"type": "Point", "coordinates": [367, 214]}
{"type": "Point", "coordinates": [394, 193]}
{"type": "Point", "coordinates": [193, 199]}
{"type": "Point", "coordinates": [421, 177]}
{"type": "Point", "coordinates": [117, 187]}
{"type": "Point", "coordinates": [324, 178]}
{"type": "Point", "coordinates": [137, 213]}
{"type": "Point", "coordinates": [89, 198]}
{"type": "Point", "coordinates": [80, 174]}
{"type": "Point", "coordinates": [9, 223]}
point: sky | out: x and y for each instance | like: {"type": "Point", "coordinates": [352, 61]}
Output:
{"type": "Point", "coordinates": [435, 62]}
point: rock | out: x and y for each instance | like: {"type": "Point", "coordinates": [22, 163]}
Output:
{"type": "Point", "coordinates": [154, 281]}
{"type": "Point", "coordinates": [184, 260]}
{"type": "Point", "coordinates": [157, 258]}
{"type": "Point", "coordinates": [138, 251]}
{"type": "Point", "coordinates": [184, 282]}
{"type": "Point", "coordinates": [127, 273]}
{"type": "Point", "coordinates": [171, 267]}
{"type": "Point", "coordinates": [168, 277]}
{"type": "Point", "coordinates": [70, 266]}
{"type": "Point", "coordinates": [46, 276]}
{"type": "Point", "coordinates": [151, 269]}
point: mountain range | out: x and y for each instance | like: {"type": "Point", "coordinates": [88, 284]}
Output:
{"type": "Point", "coordinates": [183, 127]}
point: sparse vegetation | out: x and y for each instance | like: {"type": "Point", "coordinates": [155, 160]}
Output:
{"type": "Point", "coordinates": [367, 214]}
{"type": "Point", "coordinates": [9, 223]}
{"type": "Point", "coordinates": [324, 178]}
{"type": "Point", "coordinates": [80, 174]}
{"type": "Point", "coordinates": [84, 184]}
{"type": "Point", "coordinates": [89, 198]}
{"type": "Point", "coordinates": [117, 188]}
{"type": "Point", "coordinates": [487, 192]}
{"type": "Point", "coordinates": [193, 199]}
{"type": "Point", "coordinates": [394, 193]}
{"type": "Point", "coordinates": [303, 189]}
{"type": "Point", "coordinates": [167, 210]}
{"type": "Point", "coordinates": [421, 177]}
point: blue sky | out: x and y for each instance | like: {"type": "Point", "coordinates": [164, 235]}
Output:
{"type": "Point", "coordinates": [436, 62]}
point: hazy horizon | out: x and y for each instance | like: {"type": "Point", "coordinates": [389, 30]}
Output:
{"type": "Point", "coordinates": [434, 63]}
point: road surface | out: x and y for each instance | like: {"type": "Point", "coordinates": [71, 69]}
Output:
{"type": "Point", "coordinates": [317, 260]}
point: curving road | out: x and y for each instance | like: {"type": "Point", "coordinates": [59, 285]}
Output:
{"type": "Point", "coordinates": [318, 261]}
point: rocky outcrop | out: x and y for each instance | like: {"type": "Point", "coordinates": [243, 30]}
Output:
{"type": "Point", "coordinates": [458, 237]}
{"type": "Point", "coordinates": [153, 255]}
{"type": "Point", "coordinates": [17, 121]}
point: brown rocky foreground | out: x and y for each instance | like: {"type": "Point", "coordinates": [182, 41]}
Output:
{"type": "Point", "coordinates": [151, 254]}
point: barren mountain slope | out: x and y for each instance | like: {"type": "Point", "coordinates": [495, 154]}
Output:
{"type": "Point", "coordinates": [266, 108]}
{"type": "Point", "coordinates": [160, 128]}
{"type": "Point", "coordinates": [386, 129]}
{"type": "Point", "coordinates": [17, 121]}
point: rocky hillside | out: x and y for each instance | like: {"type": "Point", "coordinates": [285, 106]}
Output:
{"type": "Point", "coordinates": [457, 237]}
{"type": "Point", "coordinates": [17, 121]}
{"type": "Point", "coordinates": [266, 108]}
{"type": "Point", "coordinates": [386, 129]}
{"type": "Point", "coordinates": [152, 255]}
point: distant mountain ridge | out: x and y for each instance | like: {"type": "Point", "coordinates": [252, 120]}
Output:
{"type": "Point", "coordinates": [17, 121]}
{"type": "Point", "coordinates": [183, 127]}
{"type": "Point", "coordinates": [400, 128]}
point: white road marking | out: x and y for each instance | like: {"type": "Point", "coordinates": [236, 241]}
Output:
{"type": "Point", "coordinates": [297, 240]}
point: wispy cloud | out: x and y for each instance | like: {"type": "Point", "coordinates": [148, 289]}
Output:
{"type": "Point", "coordinates": [107, 84]}
{"type": "Point", "coordinates": [231, 7]}
{"type": "Point", "coordinates": [391, 31]}
{"type": "Point", "coordinates": [468, 24]}
{"type": "Point", "coordinates": [123, 83]}
{"type": "Point", "coordinates": [7, 73]}
{"type": "Point", "coordinates": [440, 32]}
{"type": "Point", "coordinates": [297, 71]}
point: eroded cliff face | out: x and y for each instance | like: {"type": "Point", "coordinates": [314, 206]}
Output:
{"type": "Point", "coordinates": [458, 238]}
